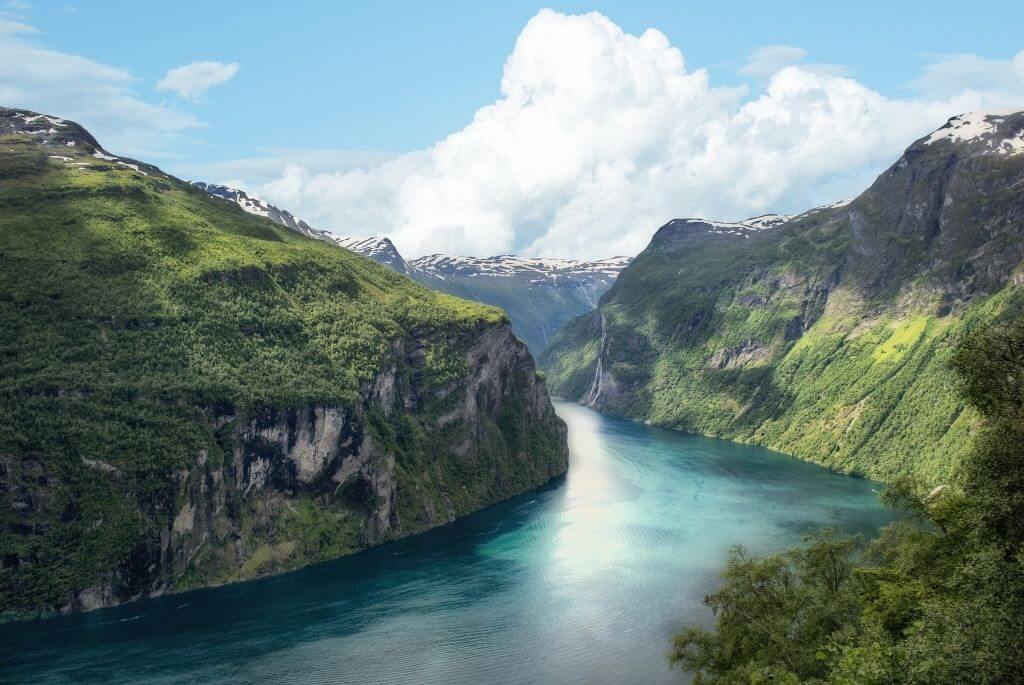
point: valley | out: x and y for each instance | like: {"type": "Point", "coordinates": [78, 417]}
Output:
{"type": "Point", "coordinates": [473, 343]}
{"type": "Point", "coordinates": [585, 579]}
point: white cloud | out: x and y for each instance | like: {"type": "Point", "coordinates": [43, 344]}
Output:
{"type": "Point", "coordinates": [273, 162]}
{"type": "Point", "coordinates": [98, 96]}
{"type": "Point", "coordinates": [191, 81]}
{"type": "Point", "coordinates": [952, 74]}
{"type": "Point", "coordinates": [10, 27]}
{"type": "Point", "coordinates": [768, 60]}
{"type": "Point", "coordinates": [599, 137]}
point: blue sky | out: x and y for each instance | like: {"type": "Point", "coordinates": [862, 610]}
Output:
{"type": "Point", "coordinates": [331, 86]}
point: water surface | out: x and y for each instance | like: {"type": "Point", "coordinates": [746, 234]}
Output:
{"type": "Point", "coordinates": [582, 582]}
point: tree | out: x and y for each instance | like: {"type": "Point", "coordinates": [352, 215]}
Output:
{"type": "Point", "coordinates": [937, 598]}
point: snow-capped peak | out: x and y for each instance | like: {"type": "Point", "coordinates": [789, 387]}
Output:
{"type": "Point", "coordinates": [765, 221]}
{"type": "Point", "coordinates": [745, 227]}
{"type": "Point", "coordinates": [256, 206]}
{"type": "Point", "coordinates": [983, 126]}
{"type": "Point", "coordinates": [45, 129]}
{"type": "Point", "coordinates": [31, 119]}
{"type": "Point", "coordinates": [377, 248]}
{"type": "Point", "coordinates": [507, 266]}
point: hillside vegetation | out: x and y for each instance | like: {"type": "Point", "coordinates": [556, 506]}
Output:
{"type": "Point", "coordinates": [937, 598]}
{"type": "Point", "coordinates": [191, 395]}
{"type": "Point", "coordinates": [539, 295]}
{"type": "Point", "coordinates": [829, 336]}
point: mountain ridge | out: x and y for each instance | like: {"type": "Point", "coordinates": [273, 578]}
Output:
{"type": "Point", "coordinates": [826, 336]}
{"type": "Point", "coordinates": [540, 294]}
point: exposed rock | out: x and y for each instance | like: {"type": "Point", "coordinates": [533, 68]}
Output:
{"type": "Point", "coordinates": [225, 521]}
{"type": "Point", "coordinates": [747, 352]}
{"type": "Point", "coordinates": [771, 331]}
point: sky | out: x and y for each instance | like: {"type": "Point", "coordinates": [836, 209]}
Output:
{"type": "Point", "coordinates": [547, 129]}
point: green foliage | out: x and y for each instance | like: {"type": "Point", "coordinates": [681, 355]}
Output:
{"type": "Point", "coordinates": [764, 339]}
{"type": "Point", "coordinates": [536, 312]}
{"type": "Point", "coordinates": [937, 598]}
{"type": "Point", "coordinates": [134, 309]}
{"type": "Point", "coordinates": [774, 612]}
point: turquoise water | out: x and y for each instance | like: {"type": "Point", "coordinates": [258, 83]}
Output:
{"type": "Point", "coordinates": [582, 582]}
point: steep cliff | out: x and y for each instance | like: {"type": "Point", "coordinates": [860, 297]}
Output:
{"type": "Point", "coordinates": [192, 395]}
{"type": "Point", "coordinates": [827, 335]}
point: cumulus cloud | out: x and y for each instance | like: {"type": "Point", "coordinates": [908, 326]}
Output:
{"type": "Point", "coordinates": [192, 80]}
{"type": "Point", "coordinates": [599, 136]}
{"type": "Point", "coordinates": [99, 96]}
{"type": "Point", "coordinates": [10, 26]}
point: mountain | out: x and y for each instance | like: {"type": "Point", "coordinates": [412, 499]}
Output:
{"type": "Point", "coordinates": [192, 395]}
{"type": "Point", "coordinates": [377, 248]}
{"type": "Point", "coordinates": [539, 295]}
{"type": "Point", "coordinates": [253, 205]}
{"type": "Point", "coordinates": [826, 335]}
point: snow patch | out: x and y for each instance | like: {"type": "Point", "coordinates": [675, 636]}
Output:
{"type": "Point", "coordinates": [52, 121]}
{"type": "Point", "coordinates": [980, 126]}
{"type": "Point", "coordinates": [133, 167]}
{"type": "Point", "coordinates": [537, 270]}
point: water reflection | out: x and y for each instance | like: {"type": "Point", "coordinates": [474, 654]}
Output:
{"type": "Point", "coordinates": [583, 581]}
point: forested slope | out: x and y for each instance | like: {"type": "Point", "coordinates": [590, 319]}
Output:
{"type": "Point", "coordinates": [192, 395]}
{"type": "Point", "coordinates": [828, 336]}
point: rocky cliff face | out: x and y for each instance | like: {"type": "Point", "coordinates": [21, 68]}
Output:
{"type": "Point", "coordinates": [946, 221]}
{"type": "Point", "coordinates": [301, 485]}
{"type": "Point", "coordinates": [193, 395]}
{"type": "Point", "coordinates": [826, 335]}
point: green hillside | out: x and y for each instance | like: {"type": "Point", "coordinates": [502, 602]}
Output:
{"type": "Point", "coordinates": [191, 395]}
{"type": "Point", "coordinates": [937, 597]}
{"type": "Point", "coordinates": [828, 337]}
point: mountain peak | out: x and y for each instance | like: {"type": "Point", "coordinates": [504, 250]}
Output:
{"type": "Point", "coordinates": [60, 134]}
{"type": "Point", "coordinates": [377, 248]}
{"type": "Point", "coordinates": [507, 266]}
{"type": "Point", "coordinates": [745, 228]}
{"type": "Point", "coordinates": [999, 131]}
{"type": "Point", "coordinates": [258, 207]}
{"type": "Point", "coordinates": [47, 130]}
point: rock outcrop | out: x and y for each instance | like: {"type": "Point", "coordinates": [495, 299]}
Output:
{"type": "Point", "coordinates": [194, 395]}
{"type": "Point", "coordinates": [241, 517]}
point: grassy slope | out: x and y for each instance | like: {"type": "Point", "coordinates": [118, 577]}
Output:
{"type": "Point", "coordinates": [868, 393]}
{"type": "Point", "coordinates": [130, 305]}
